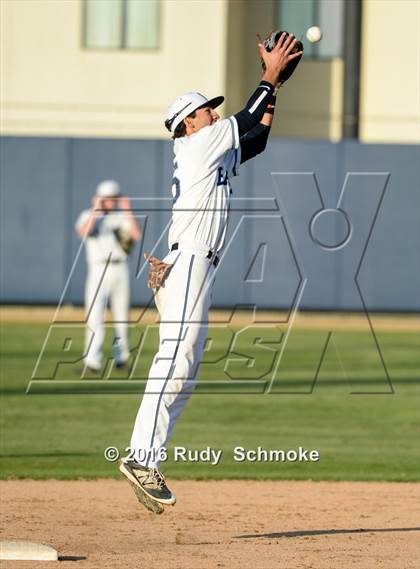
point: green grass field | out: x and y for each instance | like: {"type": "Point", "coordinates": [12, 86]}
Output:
{"type": "Point", "coordinates": [372, 435]}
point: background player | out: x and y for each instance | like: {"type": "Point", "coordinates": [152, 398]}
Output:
{"type": "Point", "coordinates": [109, 229]}
{"type": "Point", "coordinates": [207, 151]}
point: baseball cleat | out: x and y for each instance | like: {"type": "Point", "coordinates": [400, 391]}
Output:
{"type": "Point", "coordinates": [148, 503]}
{"type": "Point", "coordinates": [149, 482]}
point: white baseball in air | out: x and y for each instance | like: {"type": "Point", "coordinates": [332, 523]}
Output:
{"type": "Point", "coordinates": [314, 34]}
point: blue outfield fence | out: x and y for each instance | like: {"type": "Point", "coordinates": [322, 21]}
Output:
{"type": "Point", "coordinates": [291, 239]}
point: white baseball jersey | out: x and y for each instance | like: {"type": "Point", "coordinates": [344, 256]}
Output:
{"type": "Point", "coordinates": [200, 187]}
{"type": "Point", "coordinates": [102, 242]}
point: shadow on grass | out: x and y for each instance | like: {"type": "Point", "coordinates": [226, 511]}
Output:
{"type": "Point", "coordinates": [307, 533]}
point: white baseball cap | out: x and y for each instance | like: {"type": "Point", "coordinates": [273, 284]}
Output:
{"type": "Point", "coordinates": [108, 189]}
{"type": "Point", "coordinates": [185, 105]}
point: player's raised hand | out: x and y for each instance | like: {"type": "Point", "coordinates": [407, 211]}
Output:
{"type": "Point", "coordinates": [124, 203]}
{"type": "Point", "coordinates": [97, 203]}
{"type": "Point", "coordinates": [276, 60]}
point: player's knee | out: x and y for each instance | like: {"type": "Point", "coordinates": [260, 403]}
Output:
{"type": "Point", "coordinates": [172, 391]}
{"type": "Point", "coordinates": [178, 389]}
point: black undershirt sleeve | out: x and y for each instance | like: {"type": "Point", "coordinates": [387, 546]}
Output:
{"type": "Point", "coordinates": [255, 108]}
{"type": "Point", "coordinates": [254, 142]}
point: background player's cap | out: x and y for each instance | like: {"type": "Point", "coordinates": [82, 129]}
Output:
{"type": "Point", "coordinates": [185, 105]}
{"type": "Point", "coordinates": [108, 189]}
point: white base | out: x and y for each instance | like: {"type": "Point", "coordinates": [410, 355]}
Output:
{"type": "Point", "coordinates": [27, 551]}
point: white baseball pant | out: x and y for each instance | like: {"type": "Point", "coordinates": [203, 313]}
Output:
{"type": "Point", "coordinates": [183, 303]}
{"type": "Point", "coordinates": [106, 282]}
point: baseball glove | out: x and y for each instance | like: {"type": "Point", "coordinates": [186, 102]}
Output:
{"type": "Point", "coordinates": [157, 273]}
{"type": "Point", "coordinates": [124, 239]}
{"type": "Point", "coordinates": [269, 44]}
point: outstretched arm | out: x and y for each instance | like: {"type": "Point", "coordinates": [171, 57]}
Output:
{"type": "Point", "coordinates": [255, 141]}
{"type": "Point", "coordinates": [275, 61]}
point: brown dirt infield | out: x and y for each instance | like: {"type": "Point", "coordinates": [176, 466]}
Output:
{"type": "Point", "coordinates": [223, 524]}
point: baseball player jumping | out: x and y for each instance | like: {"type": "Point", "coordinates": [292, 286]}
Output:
{"type": "Point", "coordinates": [109, 230]}
{"type": "Point", "coordinates": [208, 152]}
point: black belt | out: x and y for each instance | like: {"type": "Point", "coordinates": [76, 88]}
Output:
{"type": "Point", "coordinates": [210, 255]}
